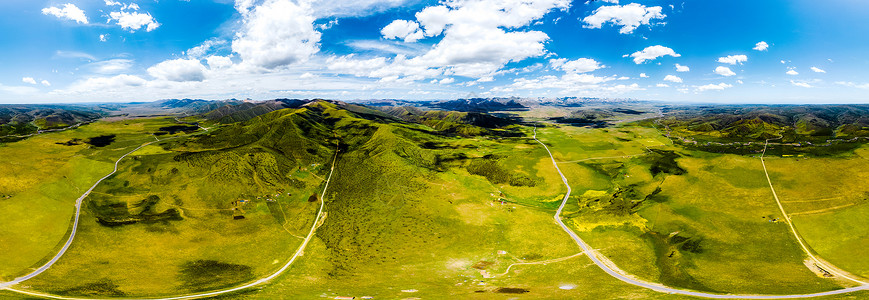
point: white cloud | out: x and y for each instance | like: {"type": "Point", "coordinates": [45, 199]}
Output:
{"type": "Point", "coordinates": [733, 59]}
{"type": "Point", "coordinates": [276, 33]}
{"type": "Point", "coordinates": [447, 80]}
{"type": "Point", "coordinates": [218, 62]}
{"type": "Point", "coordinates": [178, 70]}
{"type": "Point", "coordinates": [571, 84]}
{"type": "Point", "coordinates": [673, 78]}
{"type": "Point", "coordinates": [344, 8]}
{"type": "Point", "coordinates": [403, 29]}
{"type": "Point", "coordinates": [629, 16]}
{"type": "Point", "coordinates": [681, 68]}
{"type": "Point", "coordinates": [45, 83]}
{"type": "Point", "coordinates": [387, 47]}
{"type": "Point", "coordinates": [103, 37]}
{"type": "Point", "coordinates": [134, 20]}
{"type": "Point", "coordinates": [29, 80]}
{"type": "Point", "coordinates": [662, 85]}
{"type": "Point", "coordinates": [818, 70]}
{"type": "Point", "coordinates": [112, 66]}
{"type": "Point", "coordinates": [74, 54]}
{"type": "Point", "coordinates": [566, 82]}
{"type": "Point", "coordinates": [710, 87]}
{"type": "Point", "coordinates": [357, 67]}
{"type": "Point", "coordinates": [69, 12]}
{"type": "Point", "coordinates": [580, 65]}
{"type": "Point", "coordinates": [478, 39]}
{"type": "Point", "coordinates": [761, 46]}
{"type": "Point", "coordinates": [643, 75]}
{"type": "Point", "coordinates": [801, 84]}
{"type": "Point", "coordinates": [112, 3]}
{"type": "Point", "coordinates": [93, 84]}
{"type": "Point", "coordinates": [792, 72]}
{"type": "Point", "coordinates": [651, 53]}
{"type": "Point", "coordinates": [204, 48]}
{"type": "Point", "coordinates": [724, 71]}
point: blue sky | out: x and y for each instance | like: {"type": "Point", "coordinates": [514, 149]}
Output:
{"type": "Point", "coordinates": [737, 51]}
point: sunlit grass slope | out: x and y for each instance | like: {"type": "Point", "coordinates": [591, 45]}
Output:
{"type": "Point", "coordinates": [41, 179]}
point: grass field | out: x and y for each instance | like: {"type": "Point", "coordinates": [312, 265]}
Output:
{"type": "Point", "coordinates": [828, 200]}
{"type": "Point", "coordinates": [412, 212]}
{"type": "Point", "coordinates": [41, 181]}
{"type": "Point", "coordinates": [690, 233]}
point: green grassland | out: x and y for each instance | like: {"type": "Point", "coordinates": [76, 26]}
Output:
{"type": "Point", "coordinates": [41, 179]}
{"type": "Point", "coordinates": [683, 218]}
{"type": "Point", "coordinates": [828, 200]}
{"type": "Point", "coordinates": [418, 211]}
{"type": "Point", "coordinates": [172, 221]}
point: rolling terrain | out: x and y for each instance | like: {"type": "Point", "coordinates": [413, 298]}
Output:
{"type": "Point", "coordinates": [435, 204]}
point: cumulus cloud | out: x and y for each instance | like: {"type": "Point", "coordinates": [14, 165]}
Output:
{"type": "Point", "coordinates": [580, 65]}
{"type": "Point", "coordinates": [733, 59]}
{"type": "Point", "coordinates": [29, 80]}
{"type": "Point", "coordinates": [818, 70]}
{"type": "Point", "coordinates": [409, 31]}
{"type": "Point", "coordinates": [629, 16]}
{"type": "Point", "coordinates": [68, 12]}
{"type": "Point", "coordinates": [478, 39]}
{"type": "Point", "coordinates": [792, 72]}
{"type": "Point", "coordinates": [662, 85]}
{"type": "Point", "coordinates": [651, 53]}
{"type": "Point", "coordinates": [45, 83]}
{"type": "Point", "coordinates": [761, 46]}
{"type": "Point", "coordinates": [681, 68]}
{"type": "Point", "coordinates": [673, 78]}
{"type": "Point", "coordinates": [275, 33]}
{"type": "Point", "coordinates": [133, 21]}
{"type": "Point", "coordinates": [178, 70]}
{"type": "Point", "coordinates": [447, 80]}
{"type": "Point", "coordinates": [801, 84]}
{"type": "Point", "coordinates": [103, 37]}
{"type": "Point", "coordinates": [724, 71]}
{"type": "Point", "coordinates": [643, 75]}
{"type": "Point", "coordinates": [712, 87]}
{"type": "Point", "coordinates": [218, 62]}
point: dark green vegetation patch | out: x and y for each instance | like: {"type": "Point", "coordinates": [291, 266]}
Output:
{"type": "Point", "coordinates": [101, 141]}
{"type": "Point", "coordinates": [490, 167]}
{"type": "Point", "coordinates": [122, 213]}
{"type": "Point", "coordinates": [104, 287]}
{"type": "Point", "coordinates": [204, 275]}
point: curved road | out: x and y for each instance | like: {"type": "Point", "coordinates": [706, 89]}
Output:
{"type": "Point", "coordinates": [74, 227]}
{"type": "Point", "coordinates": [614, 272]}
{"type": "Point", "coordinates": [299, 251]}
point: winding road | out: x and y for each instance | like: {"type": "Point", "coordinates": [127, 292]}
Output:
{"type": "Point", "coordinates": [299, 251]}
{"type": "Point", "coordinates": [78, 202]}
{"type": "Point", "coordinates": [617, 273]}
